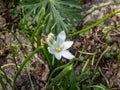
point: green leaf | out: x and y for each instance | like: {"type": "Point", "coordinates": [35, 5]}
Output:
{"type": "Point", "coordinates": [24, 63]}
{"type": "Point", "coordinates": [8, 79]}
{"type": "Point", "coordinates": [60, 11]}
{"type": "Point", "coordinates": [2, 84]}
{"type": "Point", "coordinates": [118, 60]}
{"type": "Point", "coordinates": [74, 85]}
{"type": "Point", "coordinates": [60, 76]}
{"type": "Point", "coordinates": [94, 24]}
{"type": "Point", "coordinates": [47, 55]}
{"type": "Point", "coordinates": [98, 87]}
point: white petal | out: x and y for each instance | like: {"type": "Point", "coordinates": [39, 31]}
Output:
{"type": "Point", "coordinates": [51, 50]}
{"type": "Point", "coordinates": [58, 56]}
{"type": "Point", "coordinates": [66, 54]}
{"type": "Point", "coordinates": [61, 37]}
{"type": "Point", "coordinates": [67, 44]}
{"type": "Point", "coordinates": [59, 41]}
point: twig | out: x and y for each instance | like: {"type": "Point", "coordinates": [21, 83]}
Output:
{"type": "Point", "coordinates": [101, 57]}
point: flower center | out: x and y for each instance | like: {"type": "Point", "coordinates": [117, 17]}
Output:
{"type": "Point", "coordinates": [58, 49]}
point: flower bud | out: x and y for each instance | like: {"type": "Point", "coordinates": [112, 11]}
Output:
{"type": "Point", "coordinates": [50, 39]}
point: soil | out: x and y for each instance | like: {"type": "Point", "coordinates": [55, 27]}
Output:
{"type": "Point", "coordinates": [107, 47]}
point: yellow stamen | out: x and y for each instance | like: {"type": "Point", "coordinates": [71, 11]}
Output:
{"type": "Point", "coordinates": [58, 49]}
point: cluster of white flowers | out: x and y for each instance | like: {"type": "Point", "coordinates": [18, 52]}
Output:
{"type": "Point", "coordinates": [58, 47]}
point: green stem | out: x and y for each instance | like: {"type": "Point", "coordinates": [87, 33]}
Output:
{"type": "Point", "coordinates": [112, 29]}
{"type": "Point", "coordinates": [94, 25]}
{"type": "Point", "coordinates": [62, 74]}
{"type": "Point", "coordinates": [24, 63]}
{"type": "Point", "coordinates": [85, 65]}
{"type": "Point", "coordinates": [39, 32]}
{"type": "Point", "coordinates": [80, 57]}
{"type": "Point", "coordinates": [100, 7]}
{"type": "Point", "coordinates": [108, 84]}
{"type": "Point", "coordinates": [58, 68]}
{"type": "Point", "coordinates": [93, 58]}
{"type": "Point", "coordinates": [14, 34]}
{"type": "Point", "coordinates": [101, 57]}
{"type": "Point", "coordinates": [53, 61]}
{"type": "Point", "coordinates": [8, 79]}
{"type": "Point", "coordinates": [28, 72]}
{"type": "Point", "coordinates": [2, 84]}
{"type": "Point", "coordinates": [98, 87]}
{"type": "Point", "coordinates": [47, 55]}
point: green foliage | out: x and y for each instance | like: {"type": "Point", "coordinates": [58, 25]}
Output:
{"type": "Point", "coordinates": [33, 34]}
{"type": "Point", "coordinates": [98, 87]}
{"type": "Point", "coordinates": [14, 13]}
{"type": "Point", "coordinates": [47, 55]}
{"type": "Point", "coordinates": [4, 79]}
{"type": "Point", "coordinates": [100, 7]}
{"type": "Point", "coordinates": [109, 39]}
{"type": "Point", "coordinates": [112, 52]}
{"type": "Point", "coordinates": [56, 80]}
{"type": "Point", "coordinates": [118, 56]}
{"type": "Point", "coordinates": [60, 11]}
{"type": "Point", "coordinates": [15, 1]}
{"type": "Point", "coordinates": [24, 63]}
{"type": "Point", "coordinates": [2, 84]}
{"type": "Point", "coordinates": [94, 24]}
{"type": "Point", "coordinates": [74, 84]}
{"type": "Point", "coordinates": [118, 61]}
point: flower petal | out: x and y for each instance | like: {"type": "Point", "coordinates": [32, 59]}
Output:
{"type": "Point", "coordinates": [61, 37]}
{"type": "Point", "coordinates": [67, 44]}
{"type": "Point", "coordinates": [58, 55]}
{"type": "Point", "coordinates": [51, 50]}
{"type": "Point", "coordinates": [66, 54]}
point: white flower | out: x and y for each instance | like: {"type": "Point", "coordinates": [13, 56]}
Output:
{"type": "Point", "coordinates": [60, 46]}
{"type": "Point", "coordinates": [50, 39]}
